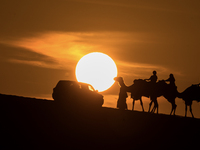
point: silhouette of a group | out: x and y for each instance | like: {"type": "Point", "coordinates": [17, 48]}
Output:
{"type": "Point", "coordinates": [153, 89]}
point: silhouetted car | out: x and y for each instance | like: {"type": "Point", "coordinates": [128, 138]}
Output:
{"type": "Point", "coordinates": [76, 94]}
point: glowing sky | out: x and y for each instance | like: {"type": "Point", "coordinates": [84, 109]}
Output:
{"type": "Point", "coordinates": [41, 42]}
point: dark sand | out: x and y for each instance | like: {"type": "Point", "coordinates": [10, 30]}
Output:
{"type": "Point", "coordinates": [31, 123]}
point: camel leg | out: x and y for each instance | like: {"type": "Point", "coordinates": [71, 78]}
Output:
{"type": "Point", "coordinates": [154, 108]}
{"type": "Point", "coordinates": [171, 110]}
{"type": "Point", "coordinates": [191, 111]}
{"type": "Point", "coordinates": [141, 103]}
{"type": "Point", "coordinates": [156, 105]}
{"type": "Point", "coordinates": [150, 105]}
{"type": "Point", "coordinates": [185, 110]}
{"type": "Point", "coordinates": [175, 108]}
{"type": "Point", "coordinates": [133, 104]}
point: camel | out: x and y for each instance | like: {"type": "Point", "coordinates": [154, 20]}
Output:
{"type": "Point", "coordinates": [169, 92]}
{"type": "Point", "coordinates": [142, 88]}
{"type": "Point", "coordinates": [123, 91]}
{"type": "Point", "coordinates": [137, 91]}
{"type": "Point", "coordinates": [190, 94]}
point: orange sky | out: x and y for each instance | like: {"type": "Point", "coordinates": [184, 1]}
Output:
{"type": "Point", "coordinates": [41, 42]}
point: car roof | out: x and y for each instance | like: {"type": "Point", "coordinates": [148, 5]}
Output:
{"type": "Point", "coordinates": [69, 82]}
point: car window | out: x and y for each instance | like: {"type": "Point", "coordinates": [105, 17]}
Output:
{"type": "Point", "coordinates": [91, 88]}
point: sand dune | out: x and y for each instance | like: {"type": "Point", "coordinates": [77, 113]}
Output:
{"type": "Point", "coordinates": [40, 124]}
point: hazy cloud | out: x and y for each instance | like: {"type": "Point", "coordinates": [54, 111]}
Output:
{"type": "Point", "coordinates": [36, 63]}
{"type": "Point", "coordinates": [68, 47]}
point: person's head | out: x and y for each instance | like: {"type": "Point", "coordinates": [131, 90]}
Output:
{"type": "Point", "coordinates": [171, 75]}
{"type": "Point", "coordinates": [154, 72]}
{"type": "Point", "coordinates": [134, 81]}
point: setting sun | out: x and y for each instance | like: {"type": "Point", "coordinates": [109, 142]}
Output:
{"type": "Point", "coordinates": [97, 69]}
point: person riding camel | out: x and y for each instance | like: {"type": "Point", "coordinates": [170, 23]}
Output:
{"type": "Point", "coordinates": [172, 84]}
{"type": "Point", "coordinates": [153, 78]}
{"type": "Point", "coordinates": [152, 91]}
{"type": "Point", "coordinates": [171, 80]}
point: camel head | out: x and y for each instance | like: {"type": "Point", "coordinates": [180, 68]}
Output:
{"type": "Point", "coordinates": [191, 93]}
{"type": "Point", "coordinates": [119, 79]}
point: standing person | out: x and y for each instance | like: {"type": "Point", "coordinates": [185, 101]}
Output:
{"type": "Point", "coordinates": [121, 103]}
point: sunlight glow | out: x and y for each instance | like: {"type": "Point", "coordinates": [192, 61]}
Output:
{"type": "Point", "coordinates": [97, 69]}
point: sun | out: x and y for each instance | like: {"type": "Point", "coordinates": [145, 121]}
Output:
{"type": "Point", "coordinates": [97, 69]}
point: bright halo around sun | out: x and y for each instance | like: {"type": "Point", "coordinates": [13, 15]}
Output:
{"type": "Point", "coordinates": [97, 69]}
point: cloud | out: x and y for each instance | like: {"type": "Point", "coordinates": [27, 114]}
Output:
{"type": "Point", "coordinates": [36, 63]}
{"type": "Point", "coordinates": [66, 48]}
{"type": "Point", "coordinates": [139, 70]}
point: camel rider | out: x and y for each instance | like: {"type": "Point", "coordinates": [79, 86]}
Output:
{"type": "Point", "coordinates": [152, 82]}
{"type": "Point", "coordinates": [153, 78]}
{"type": "Point", "coordinates": [153, 91]}
{"type": "Point", "coordinates": [171, 80]}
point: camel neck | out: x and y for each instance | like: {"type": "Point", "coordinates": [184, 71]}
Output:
{"type": "Point", "coordinates": [122, 84]}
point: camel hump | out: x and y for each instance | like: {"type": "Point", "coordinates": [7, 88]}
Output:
{"type": "Point", "coordinates": [192, 89]}
{"type": "Point", "coordinates": [161, 81]}
{"type": "Point", "coordinates": [139, 81]}
{"type": "Point", "coordinates": [141, 85]}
